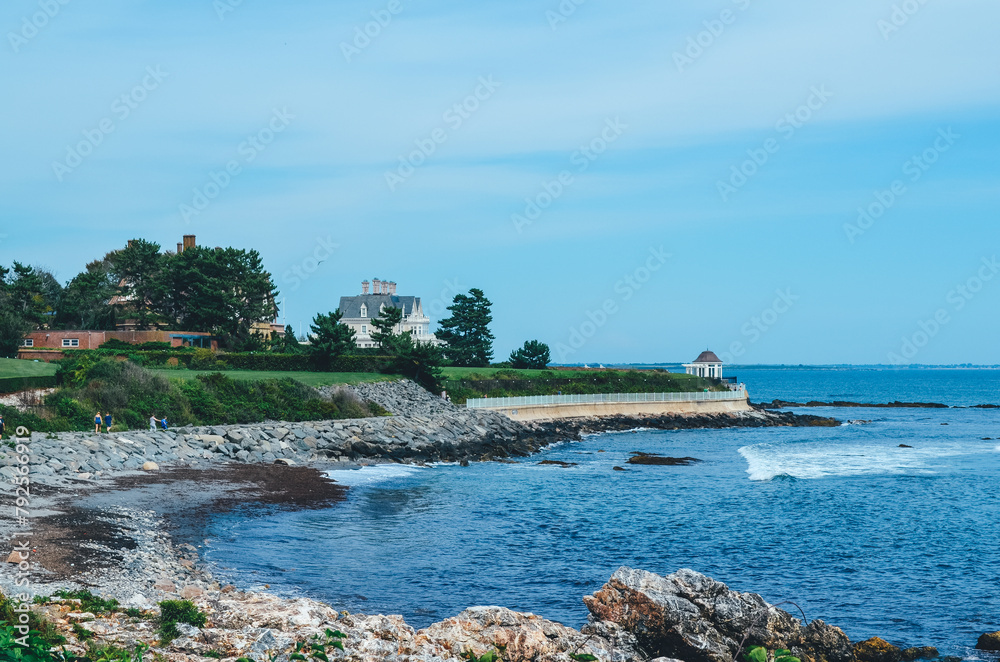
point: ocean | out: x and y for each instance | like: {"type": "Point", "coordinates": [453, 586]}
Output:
{"type": "Point", "coordinates": [878, 539]}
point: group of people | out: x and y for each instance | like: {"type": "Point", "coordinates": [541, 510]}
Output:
{"type": "Point", "coordinates": [107, 421]}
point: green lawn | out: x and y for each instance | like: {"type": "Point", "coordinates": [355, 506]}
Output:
{"type": "Point", "coordinates": [22, 368]}
{"type": "Point", "coordinates": [307, 378]}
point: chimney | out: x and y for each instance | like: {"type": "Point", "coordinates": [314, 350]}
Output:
{"type": "Point", "coordinates": [189, 241]}
{"type": "Point", "coordinates": [376, 286]}
{"type": "Point", "coordinates": [392, 288]}
{"type": "Point", "coordinates": [180, 248]}
{"type": "Point", "coordinates": [364, 287]}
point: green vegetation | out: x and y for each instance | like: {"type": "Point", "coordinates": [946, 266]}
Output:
{"type": "Point", "coordinates": [315, 648]}
{"type": "Point", "coordinates": [467, 332]}
{"type": "Point", "coordinates": [89, 601]}
{"type": "Point", "coordinates": [19, 368]}
{"type": "Point", "coordinates": [488, 656]}
{"type": "Point", "coordinates": [331, 339]}
{"type": "Point", "coordinates": [133, 394]}
{"type": "Point", "coordinates": [224, 291]}
{"type": "Point", "coordinates": [463, 384]}
{"type": "Point", "coordinates": [533, 354]}
{"type": "Point", "coordinates": [314, 379]}
{"type": "Point", "coordinates": [82, 633]}
{"type": "Point", "coordinates": [173, 612]}
{"type": "Point", "coordinates": [16, 375]}
{"type": "Point", "coordinates": [760, 654]}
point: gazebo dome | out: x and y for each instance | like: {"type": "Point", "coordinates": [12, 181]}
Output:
{"type": "Point", "coordinates": [707, 357]}
{"type": "Point", "coordinates": [708, 364]}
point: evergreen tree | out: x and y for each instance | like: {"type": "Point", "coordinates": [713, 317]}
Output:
{"type": "Point", "coordinates": [533, 355]}
{"type": "Point", "coordinates": [330, 338]}
{"type": "Point", "coordinates": [385, 334]}
{"type": "Point", "coordinates": [138, 268]}
{"type": "Point", "coordinates": [416, 360]}
{"type": "Point", "coordinates": [224, 291]}
{"type": "Point", "coordinates": [13, 325]}
{"type": "Point", "coordinates": [287, 343]}
{"type": "Point", "coordinates": [86, 301]}
{"type": "Point", "coordinates": [467, 333]}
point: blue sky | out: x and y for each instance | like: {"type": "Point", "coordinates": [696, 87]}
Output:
{"type": "Point", "coordinates": [651, 253]}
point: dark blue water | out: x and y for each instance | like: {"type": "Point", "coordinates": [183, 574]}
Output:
{"type": "Point", "coordinates": [896, 542]}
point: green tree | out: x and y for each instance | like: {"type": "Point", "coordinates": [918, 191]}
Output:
{"type": "Point", "coordinates": [13, 328]}
{"type": "Point", "coordinates": [286, 343]}
{"type": "Point", "coordinates": [86, 300]}
{"type": "Point", "coordinates": [224, 291]}
{"type": "Point", "coordinates": [138, 268]}
{"type": "Point", "coordinates": [385, 329]}
{"type": "Point", "coordinates": [467, 332]}
{"type": "Point", "coordinates": [418, 361]}
{"type": "Point", "coordinates": [533, 355]}
{"type": "Point", "coordinates": [32, 293]}
{"type": "Point", "coordinates": [330, 338]}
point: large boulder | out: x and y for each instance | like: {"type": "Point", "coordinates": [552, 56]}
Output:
{"type": "Point", "coordinates": [692, 617]}
{"type": "Point", "coordinates": [877, 650]}
{"type": "Point", "coordinates": [989, 642]}
{"type": "Point", "coordinates": [519, 636]}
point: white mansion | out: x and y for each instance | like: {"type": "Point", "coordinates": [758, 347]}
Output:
{"type": "Point", "coordinates": [359, 311]}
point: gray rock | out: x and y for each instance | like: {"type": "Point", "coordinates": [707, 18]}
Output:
{"type": "Point", "coordinates": [690, 616]}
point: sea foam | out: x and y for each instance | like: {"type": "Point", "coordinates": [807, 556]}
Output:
{"type": "Point", "coordinates": [377, 473]}
{"type": "Point", "coordinates": [820, 459]}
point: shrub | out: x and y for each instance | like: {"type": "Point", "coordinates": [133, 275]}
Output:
{"type": "Point", "coordinates": [173, 612]}
{"type": "Point", "coordinates": [89, 601]}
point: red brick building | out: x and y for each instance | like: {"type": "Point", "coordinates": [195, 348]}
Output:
{"type": "Point", "coordinates": [42, 340]}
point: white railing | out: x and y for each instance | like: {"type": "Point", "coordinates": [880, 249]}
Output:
{"type": "Point", "coordinates": [594, 398]}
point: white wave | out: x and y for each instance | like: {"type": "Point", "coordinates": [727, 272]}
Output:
{"type": "Point", "coordinates": [376, 473]}
{"type": "Point", "coordinates": [806, 460]}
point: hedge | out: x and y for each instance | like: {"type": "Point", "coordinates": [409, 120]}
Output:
{"type": "Point", "coordinates": [15, 384]}
{"type": "Point", "coordinates": [203, 359]}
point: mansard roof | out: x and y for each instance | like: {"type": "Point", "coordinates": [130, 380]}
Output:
{"type": "Point", "coordinates": [350, 307]}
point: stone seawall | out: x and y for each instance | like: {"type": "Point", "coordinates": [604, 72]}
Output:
{"type": "Point", "coordinates": [602, 409]}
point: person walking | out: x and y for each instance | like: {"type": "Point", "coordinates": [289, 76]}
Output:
{"type": "Point", "coordinates": [3, 426]}
{"type": "Point", "coordinates": [163, 423]}
{"type": "Point", "coordinates": [108, 422]}
{"type": "Point", "coordinates": [97, 423]}
{"type": "Point", "coordinates": [152, 423]}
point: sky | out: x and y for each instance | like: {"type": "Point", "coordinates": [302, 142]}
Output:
{"type": "Point", "coordinates": [780, 182]}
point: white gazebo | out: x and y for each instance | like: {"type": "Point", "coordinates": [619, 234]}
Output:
{"type": "Point", "coordinates": [706, 365]}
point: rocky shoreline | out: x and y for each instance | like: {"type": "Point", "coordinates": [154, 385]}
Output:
{"type": "Point", "coordinates": [131, 535]}
{"type": "Point", "coordinates": [422, 429]}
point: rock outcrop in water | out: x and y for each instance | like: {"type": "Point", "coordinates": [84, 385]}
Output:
{"type": "Point", "coordinates": [689, 616]}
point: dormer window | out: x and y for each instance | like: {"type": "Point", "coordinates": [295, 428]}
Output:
{"type": "Point", "coordinates": [364, 310]}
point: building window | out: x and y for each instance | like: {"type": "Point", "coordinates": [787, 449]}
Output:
{"type": "Point", "coordinates": [28, 342]}
{"type": "Point", "coordinates": [364, 310]}
{"type": "Point", "coordinates": [364, 329]}
{"type": "Point", "coordinates": [71, 342]}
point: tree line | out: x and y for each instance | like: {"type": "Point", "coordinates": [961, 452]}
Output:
{"type": "Point", "coordinates": [223, 291]}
